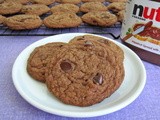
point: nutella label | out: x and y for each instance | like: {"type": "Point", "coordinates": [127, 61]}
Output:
{"type": "Point", "coordinates": [141, 26]}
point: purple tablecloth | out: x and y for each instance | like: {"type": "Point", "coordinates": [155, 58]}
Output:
{"type": "Point", "coordinates": [14, 107]}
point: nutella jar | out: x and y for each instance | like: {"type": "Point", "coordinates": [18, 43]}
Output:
{"type": "Point", "coordinates": [141, 29]}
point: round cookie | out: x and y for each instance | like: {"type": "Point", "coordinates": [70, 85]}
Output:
{"type": "Point", "coordinates": [10, 8]}
{"type": "Point", "coordinates": [93, 0]}
{"type": "Point", "coordinates": [45, 2]}
{"type": "Point", "coordinates": [2, 19]}
{"type": "Point", "coordinates": [39, 59]}
{"type": "Point", "coordinates": [69, 1]}
{"type": "Point", "coordinates": [65, 8]}
{"type": "Point", "coordinates": [81, 75]}
{"type": "Point", "coordinates": [22, 22]}
{"type": "Point", "coordinates": [118, 52]}
{"type": "Point", "coordinates": [100, 18]}
{"type": "Point", "coordinates": [18, 1]}
{"type": "Point", "coordinates": [37, 9]}
{"type": "Point", "coordinates": [116, 6]}
{"type": "Point", "coordinates": [92, 6]}
{"type": "Point", "coordinates": [62, 20]}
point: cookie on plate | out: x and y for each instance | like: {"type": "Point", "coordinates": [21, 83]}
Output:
{"type": "Point", "coordinates": [118, 52]}
{"type": "Point", "coordinates": [116, 6]}
{"type": "Point", "coordinates": [92, 6]}
{"type": "Point", "coordinates": [22, 22]}
{"type": "Point", "coordinates": [2, 19]}
{"type": "Point", "coordinates": [37, 9]}
{"type": "Point", "coordinates": [18, 1]}
{"type": "Point", "coordinates": [45, 2]}
{"type": "Point", "coordinates": [62, 20]}
{"type": "Point", "coordinates": [69, 1]}
{"type": "Point", "coordinates": [99, 18]}
{"type": "Point", "coordinates": [93, 0]}
{"type": "Point", "coordinates": [7, 8]}
{"type": "Point", "coordinates": [65, 8]}
{"type": "Point", "coordinates": [81, 75]}
{"type": "Point", "coordinates": [39, 59]}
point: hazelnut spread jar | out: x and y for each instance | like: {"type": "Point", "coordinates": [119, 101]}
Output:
{"type": "Point", "coordinates": [141, 29]}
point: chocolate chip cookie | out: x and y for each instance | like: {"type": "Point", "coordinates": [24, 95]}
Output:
{"type": "Point", "coordinates": [62, 20]}
{"type": "Point", "coordinates": [118, 52]}
{"type": "Point", "coordinates": [37, 9]}
{"type": "Point", "coordinates": [100, 18]}
{"type": "Point", "coordinates": [116, 6]}
{"type": "Point", "coordinates": [39, 59]}
{"type": "Point", "coordinates": [65, 8]}
{"type": "Point", "coordinates": [21, 22]}
{"type": "Point", "coordinates": [92, 6]}
{"type": "Point", "coordinates": [84, 74]}
{"type": "Point", "coordinates": [45, 2]}
{"type": "Point", "coordinates": [18, 1]}
{"type": "Point", "coordinates": [120, 15]}
{"type": "Point", "coordinates": [69, 1]}
{"type": "Point", "coordinates": [10, 8]}
{"type": "Point", "coordinates": [116, 0]}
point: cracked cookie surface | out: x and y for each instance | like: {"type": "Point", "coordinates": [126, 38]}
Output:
{"type": "Point", "coordinates": [83, 74]}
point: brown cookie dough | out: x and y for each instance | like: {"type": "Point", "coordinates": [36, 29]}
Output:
{"type": "Point", "coordinates": [65, 8]}
{"type": "Point", "coordinates": [93, 0]}
{"type": "Point", "coordinates": [92, 6]}
{"type": "Point", "coordinates": [10, 8]}
{"type": "Point", "coordinates": [39, 59]}
{"type": "Point", "coordinates": [82, 75]}
{"type": "Point", "coordinates": [99, 18]}
{"type": "Point", "coordinates": [62, 20]}
{"type": "Point", "coordinates": [45, 2]}
{"type": "Point", "coordinates": [21, 22]}
{"type": "Point", "coordinates": [69, 1]}
{"type": "Point", "coordinates": [116, 6]}
{"type": "Point", "coordinates": [37, 9]}
{"type": "Point", "coordinates": [2, 19]}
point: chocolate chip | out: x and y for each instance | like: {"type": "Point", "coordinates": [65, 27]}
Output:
{"type": "Point", "coordinates": [65, 66]}
{"type": "Point", "coordinates": [88, 43]}
{"type": "Point", "coordinates": [98, 79]}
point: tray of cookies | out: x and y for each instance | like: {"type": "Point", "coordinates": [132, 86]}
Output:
{"type": "Point", "coordinates": [50, 17]}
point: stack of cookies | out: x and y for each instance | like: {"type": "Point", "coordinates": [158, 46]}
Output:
{"type": "Point", "coordinates": [82, 72]}
{"type": "Point", "coordinates": [31, 14]}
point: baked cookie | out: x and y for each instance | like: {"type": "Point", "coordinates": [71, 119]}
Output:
{"type": "Point", "coordinates": [99, 18]}
{"type": "Point", "coordinates": [116, 0]}
{"type": "Point", "coordinates": [45, 2]}
{"type": "Point", "coordinates": [1, 1]}
{"type": "Point", "coordinates": [69, 1]}
{"type": "Point", "coordinates": [39, 59]}
{"type": "Point", "coordinates": [62, 20]}
{"type": "Point", "coordinates": [18, 1]}
{"type": "Point", "coordinates": [93, 0]}
{"type": "Point", "coordinates": [22, 22]}
{"type": "Point", "coordinates": [92, 6]}
{"type": "Point", "coordinates": [2, 19]}
{"type": "Point", "coordinates": [37, 9]}
{"type": "Point", "coordinates": [10, 8]}
{"type": "Point", "coordinates": [118, 52]}
{"type": "Point", "coordinates": [116, 6]}
{"type": "Point", "coordinates": [120, 15]}
{"type": "Point", "coordinates": [65, 8]}
{"type": "Point", "coordinates": [81, 75]}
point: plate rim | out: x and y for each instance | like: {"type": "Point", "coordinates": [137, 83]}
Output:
{"type": "Point", "coordinates": [74, 113]}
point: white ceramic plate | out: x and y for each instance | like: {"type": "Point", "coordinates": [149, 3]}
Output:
{"type": "Point", "coordinates": [36, 93]}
